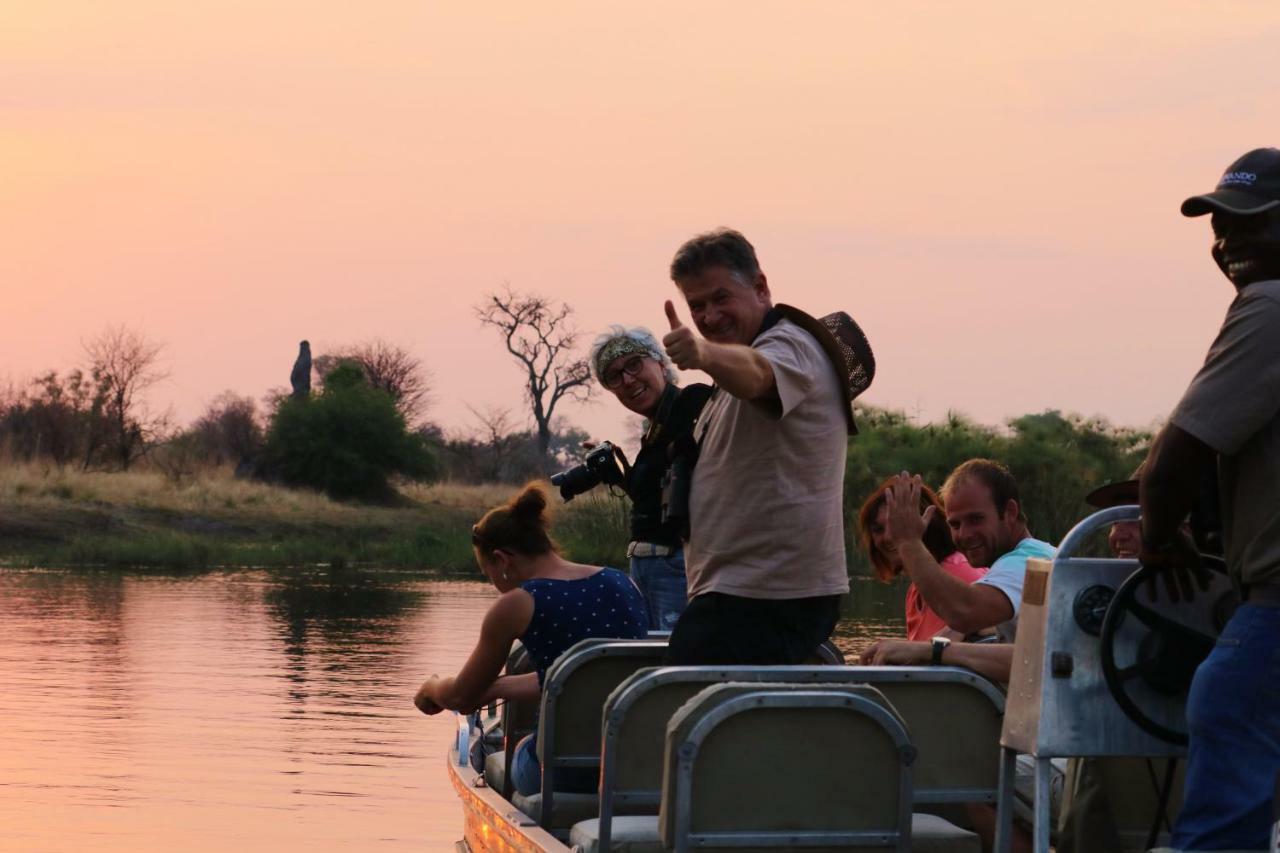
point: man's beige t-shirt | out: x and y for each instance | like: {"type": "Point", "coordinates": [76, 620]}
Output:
{"type": "Point", "coordinates": [1233, 405]}
{"type": "Point", "coordinates": [766, 504]}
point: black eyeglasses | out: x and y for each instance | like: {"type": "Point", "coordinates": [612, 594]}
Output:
{"type": "Point", "coordinates": [631, 367]}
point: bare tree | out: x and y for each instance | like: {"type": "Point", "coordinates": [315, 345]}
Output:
{"type": "Point", "coordinates": [124, 365]}
{"type": "Point", "coordinates": [499, 445]}
{"type": "Point", "coordinates": [390, 368]}
{"type": "Point", "coordinates": [229, 430]}
{"type": "Point", "coordinates": [396, 371]}
{"type": "Point", "coordinates": [539, 335]}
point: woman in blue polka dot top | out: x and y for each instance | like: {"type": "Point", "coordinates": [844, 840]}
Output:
{"type": "Point", "coordinates": [547, 602]}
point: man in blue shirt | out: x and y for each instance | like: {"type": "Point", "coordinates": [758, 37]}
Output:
{"type": "Point", "coordinates": [989, 527]}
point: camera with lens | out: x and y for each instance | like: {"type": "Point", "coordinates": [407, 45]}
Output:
{"type": "Point", "coordinates": [606, 463]}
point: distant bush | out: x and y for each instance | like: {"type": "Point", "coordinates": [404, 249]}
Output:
{"type": "Point", "coordinates": [55, 418]}
{"type": "Point", "coordinates": [346, 441]}
{"type": "Point", "coordinates": [95, 416]}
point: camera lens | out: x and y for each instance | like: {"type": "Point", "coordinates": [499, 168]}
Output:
{"type": "Point", "coordinates": [575, 481]}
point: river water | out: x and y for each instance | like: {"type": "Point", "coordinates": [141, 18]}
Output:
{"type": "Point", "coordinates": [244, 711]}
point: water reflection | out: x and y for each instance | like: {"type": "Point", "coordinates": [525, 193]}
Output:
{"type": "Point", "coordinates": [244, 709]}
{"type": "Point", "coordinates": [870, 611]}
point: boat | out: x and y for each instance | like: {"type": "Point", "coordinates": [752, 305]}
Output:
{"type": "Point", "coordinates": [826, 756]}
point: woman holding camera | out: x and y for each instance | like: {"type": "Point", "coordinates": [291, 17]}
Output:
{"type": "Point", "coordinates": [633, 366]}
{"type": "Point", "coordinates": [547, 603]}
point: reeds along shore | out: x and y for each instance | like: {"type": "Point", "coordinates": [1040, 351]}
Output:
{"type": "Point", "coordinates": [142, 519]}
{"type": "Point", "coordinates": [54, 516]}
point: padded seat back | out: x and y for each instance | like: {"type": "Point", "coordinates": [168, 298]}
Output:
{"type": "Point", "coordinates": [956, 730]}
{"type": "Point", "coordinates": [573, 696]}
{"type": "Point", "coordinates": [575, 691]}
{"type": "Point", "coordinates": [518, 718]}
{"type": "Point", "coordinates": [637, 712]}
{"type": "Point", "coordinates": [766, 765]}
{"type": "Point", "coordinates": [954, 717]}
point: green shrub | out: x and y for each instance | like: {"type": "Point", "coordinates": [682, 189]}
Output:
{"type": "Point", "coordinates": [346, 441]}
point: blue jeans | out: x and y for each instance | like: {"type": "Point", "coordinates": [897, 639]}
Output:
{"type": "Point", "coordinates": [1233, 715]}
{"type": "Point", "coordinates": [526, 772]}
{"type": "Point", "coordinates": [664, 587]}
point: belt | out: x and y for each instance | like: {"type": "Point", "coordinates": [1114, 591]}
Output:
{"type": "Point", "coordinates": [1263, 594]}
{"type": "Point", "coordinates": [649, 549]}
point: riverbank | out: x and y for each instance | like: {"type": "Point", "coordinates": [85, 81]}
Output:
{"type": "Point", "coordinates": [142, 519]}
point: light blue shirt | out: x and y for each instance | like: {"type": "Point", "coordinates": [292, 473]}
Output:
{"type": "Point", "coordinates": [1007, 574]}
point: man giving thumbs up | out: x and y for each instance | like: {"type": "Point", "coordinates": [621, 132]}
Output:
{"type": "Point", "coordinates": [765, 558]}
{"type": "Point", "coordinates": [732, 363]}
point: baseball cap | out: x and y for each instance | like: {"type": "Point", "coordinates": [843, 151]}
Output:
{"type": "Point", "coordinates": [1250, 185]}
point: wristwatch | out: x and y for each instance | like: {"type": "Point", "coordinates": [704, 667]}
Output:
{"type": "Point", "coordinates": [939, 646]}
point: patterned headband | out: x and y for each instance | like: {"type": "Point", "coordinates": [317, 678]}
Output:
{"type": "Point", "coordinates": [619, 346]}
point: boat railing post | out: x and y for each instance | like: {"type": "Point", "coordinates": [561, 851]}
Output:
{"type": "Point", "coordinates": [1044, 770]}
{"type": "Point", "coordinates": [464, 738]}
{"type": "Point", "coordinates": [1004, 800]}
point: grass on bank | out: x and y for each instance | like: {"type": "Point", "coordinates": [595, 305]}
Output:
{"type": "Point", "coordinates": [142, 519]}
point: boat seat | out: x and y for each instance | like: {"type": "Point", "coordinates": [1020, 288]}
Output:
{"type": "Point", "coordinates": [629, 834]}
{"type": "Point", "coordinates": [573, 697]}
{"type": "Point", "coordinates": [639, 834]}
{"type": "Point", "coordinates": [752, 765]}
{"type": "Point", "coordinates": [957, 758]}
{"type": "Point", "coordinates": [517, 719]}
{"type": "Point", "coordinates": [566, 809]}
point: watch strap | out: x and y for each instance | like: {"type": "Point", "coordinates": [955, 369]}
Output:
{"type": "Point", "coordinates": [939, 646]}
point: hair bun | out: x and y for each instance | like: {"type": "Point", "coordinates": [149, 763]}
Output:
{"type": "Point", "coordinates": [531, 503]}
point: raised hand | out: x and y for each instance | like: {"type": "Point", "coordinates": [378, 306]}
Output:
{"type": "Point", "coordinates": [904, 522]}
{"type": "Point", "coordinates": [683, 346]}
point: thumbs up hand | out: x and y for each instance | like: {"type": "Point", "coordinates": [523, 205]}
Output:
{"type": "Point", "coordinates": [672, 317]}
{"type": "Point", "coordinates": [683, 346]}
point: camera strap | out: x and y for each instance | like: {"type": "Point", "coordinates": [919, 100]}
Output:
{"type": "Point", "coordinates": [658, 423]}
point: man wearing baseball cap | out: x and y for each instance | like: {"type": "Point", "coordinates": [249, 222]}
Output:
{"type": "Point", "coordinates": [1230, 416]}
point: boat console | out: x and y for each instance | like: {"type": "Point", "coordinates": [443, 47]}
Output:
{"type": "Point", "coordinates": [1102, 663]}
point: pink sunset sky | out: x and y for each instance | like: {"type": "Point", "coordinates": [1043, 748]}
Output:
{"type": "Point", "coordinates": [991, 189]}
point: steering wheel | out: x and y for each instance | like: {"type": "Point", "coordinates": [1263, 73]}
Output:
{"type": "Point", "coordinates": [1167, 654]}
